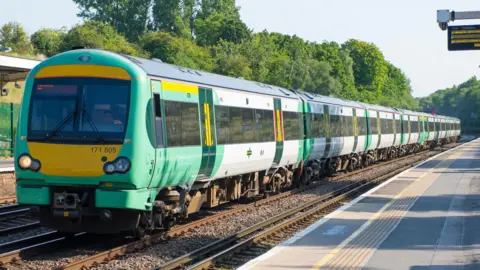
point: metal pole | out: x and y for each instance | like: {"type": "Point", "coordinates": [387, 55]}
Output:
{"type": "Point", "coordinates": [11, 130]}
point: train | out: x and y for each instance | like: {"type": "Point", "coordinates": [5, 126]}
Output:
{"type": "Point", "coordinates": [109, 143]}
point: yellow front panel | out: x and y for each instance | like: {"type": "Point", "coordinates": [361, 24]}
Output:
{"type": "Point", "coordinates": [93, 71]}
{"type": "Point", "coordinates": [72, 160]}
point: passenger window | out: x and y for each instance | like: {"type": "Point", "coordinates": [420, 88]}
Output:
{"type": "Point", "coordinates": [182, 123]}
{"type": "Point", "coordinates": [158, 120]}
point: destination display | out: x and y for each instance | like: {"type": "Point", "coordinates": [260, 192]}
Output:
{"type": "Point", "coordinates": [463, 37]}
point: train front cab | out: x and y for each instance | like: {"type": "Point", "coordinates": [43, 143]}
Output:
{"type": "Point", "coordinates": [76, 138]}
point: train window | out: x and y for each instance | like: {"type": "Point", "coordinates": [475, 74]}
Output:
{"type": "Point", "coordinates": [317, 127]}
{"type": "Point", "coordinates": [398, 126]}
{"type": "Point", "coordinates": [437, 125]}
{"type": "Point", "coordinates": [158, 120]}
{"type": "Point", "coordinates": [347, 126]}
{"type": "Point", "coordinates": [292, 126]}
{"type": "Point", "coordinates": [222, 120]}
{"type": "Point", "coordinates": [387, 126]}
{"type": "Point", "coordinates": [243, 125]}
{"type": "Point", "coordinates": [182, 124]}
{"type": "Point", "coordinates": [235, 127]}
{"type": "Point", "coordinates": [414, 126]}
{"type": "Point", "coordinates": [431, 126]}
{"type": "Point", "coordinates": [248, 127]}
{"type": "Point", "coordinates": [265, 128]}
{"type": "Point", "coordinates": [373, 125]}
{"type": "Point", "coordinates": [335, 126]}
{"type": "Point", "coordinates": [362, 126]}
{"type": "Point", "coordinates": [405, 128]}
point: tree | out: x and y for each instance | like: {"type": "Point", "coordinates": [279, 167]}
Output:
{"type": "Point", "coordinates": [94, 34]}
{"type": "Point", "coordinates": [208, 7]}
{"type": "Point", "coordinates": [168, 16]}
{"type": "Point", "coordinates": [219, 26]}
{"type": "Point", "coordinates": [176, 50]}
{"type": "Point", "coordinates": [128, 17]}
{"type": "Point", "coordinates": [48, 41]}
{"type": "Point", "coordinates": [13, 36]}
{"type": "Point", "coordinates": [230, 62]}
{"type": "Point", "coordinates": [370, 69]}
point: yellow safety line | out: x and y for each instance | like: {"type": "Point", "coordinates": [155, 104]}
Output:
{"type": "Point", "coordinates": [339, 248]}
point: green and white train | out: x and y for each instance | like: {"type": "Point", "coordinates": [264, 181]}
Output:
{"type": "Point", "coordinates": [110, 143]}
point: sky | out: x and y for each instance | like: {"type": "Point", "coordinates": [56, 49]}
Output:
{"type": "Point", "coordinates": [405, 31]}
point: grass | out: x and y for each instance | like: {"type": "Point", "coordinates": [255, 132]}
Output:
{"type": "Point", "coordinates": [14, 95]}
{"type": "Point", "coordinates": [38, 57]}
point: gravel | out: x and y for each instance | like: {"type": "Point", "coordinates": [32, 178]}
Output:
{"type": "Point", "coordinates": [158, 254]}
{"type": "Point", "coordinates": [7, 184]}
{"type": "Point", "coordinates": [23, 234]}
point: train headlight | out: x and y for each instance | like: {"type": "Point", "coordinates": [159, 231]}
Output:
{"type": "Point", "coordinates": [24, 162]}
{"type": "Point", "coordinates": [120, 165]}
{"type": "Point", "coordinates": [109, 168]}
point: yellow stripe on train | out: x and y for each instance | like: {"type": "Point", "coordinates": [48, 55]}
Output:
{"type": "Point", "coordinates": [179, 87]}
{"type": "Point", "coordinates": [94, 71]}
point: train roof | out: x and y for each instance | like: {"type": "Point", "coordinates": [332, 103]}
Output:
{"type": "Point", "coordinates": [327, 100]}
{"type": "Point", "coordinates": [378, 107]}
{"type": "Point", "coordinates": [157, 68]}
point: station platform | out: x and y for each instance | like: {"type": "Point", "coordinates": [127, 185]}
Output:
{"type": "Point", "coordinates": [427, 217]}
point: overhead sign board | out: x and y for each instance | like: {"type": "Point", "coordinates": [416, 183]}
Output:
{"type": "Point", "coordinates": [463, 37]}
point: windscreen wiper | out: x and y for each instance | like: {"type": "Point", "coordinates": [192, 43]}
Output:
{"type": "Point", "coordinates": [99, 137]}
{"type": "Point", "coordinates": [60, 125]}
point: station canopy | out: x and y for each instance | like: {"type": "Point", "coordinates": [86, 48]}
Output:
{"type": "Point", "coordinates": [15, 68]}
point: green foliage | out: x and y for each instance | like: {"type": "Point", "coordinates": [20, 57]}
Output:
{"type": "Point", "coordinates": [458, 101]}
{"type": "Point", "coordinates": [167, 17]}
{"type": "Point", "coordinates": [209, 35]}
{"type": "Point", "coordinates": [48, 41]}
{"type": "Point", "coordinates": [94, 34]}
{"type": "Point", "coordinates": [12, 35]}
{"type": "Point", "coordinates": [219, 26]}
{"type": "Point", "coordinates": [230, 62]}
{"type": "Point", "coordinates": [176, 50]}
{"type": "Point", "coordinates": [370, 69]}
{"type": "Point", "coordinates": [128, 17]}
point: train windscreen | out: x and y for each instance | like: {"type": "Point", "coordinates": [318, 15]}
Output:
{"type": "Point", "coordinates": [79, 109]}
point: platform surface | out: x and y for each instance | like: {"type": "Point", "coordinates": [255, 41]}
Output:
{"type": "Point", "coordinates": [427, 217]}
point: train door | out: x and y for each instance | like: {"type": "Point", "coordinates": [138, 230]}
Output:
{"type": "Point", "coordinates": [328, 141]}
{"type": "Point", "coordinates": [207, 123]}
{"type": "Point", "coordinates": [368, 143]}
{"type": "Point", "coordinates": [421, 129]}
{"type": "Point", "coordinates": [408, 133]}
{"type": "Point", "coordinates": [158, 129]}
{"type": "Point", "coordinates": [402, 129]}
{"type": "Point", "coordinates": [278, 122]}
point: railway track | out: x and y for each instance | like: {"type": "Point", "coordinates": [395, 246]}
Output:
{"type": "Point", "coordinates": [25, 250]}
{"type": "Point", "coordinates": [8, 200]}
{"type": "Point", "coordinates": [15, 218]}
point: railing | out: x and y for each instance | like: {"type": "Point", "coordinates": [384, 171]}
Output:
{"type": "Point", "coordinates": [8, 126]}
